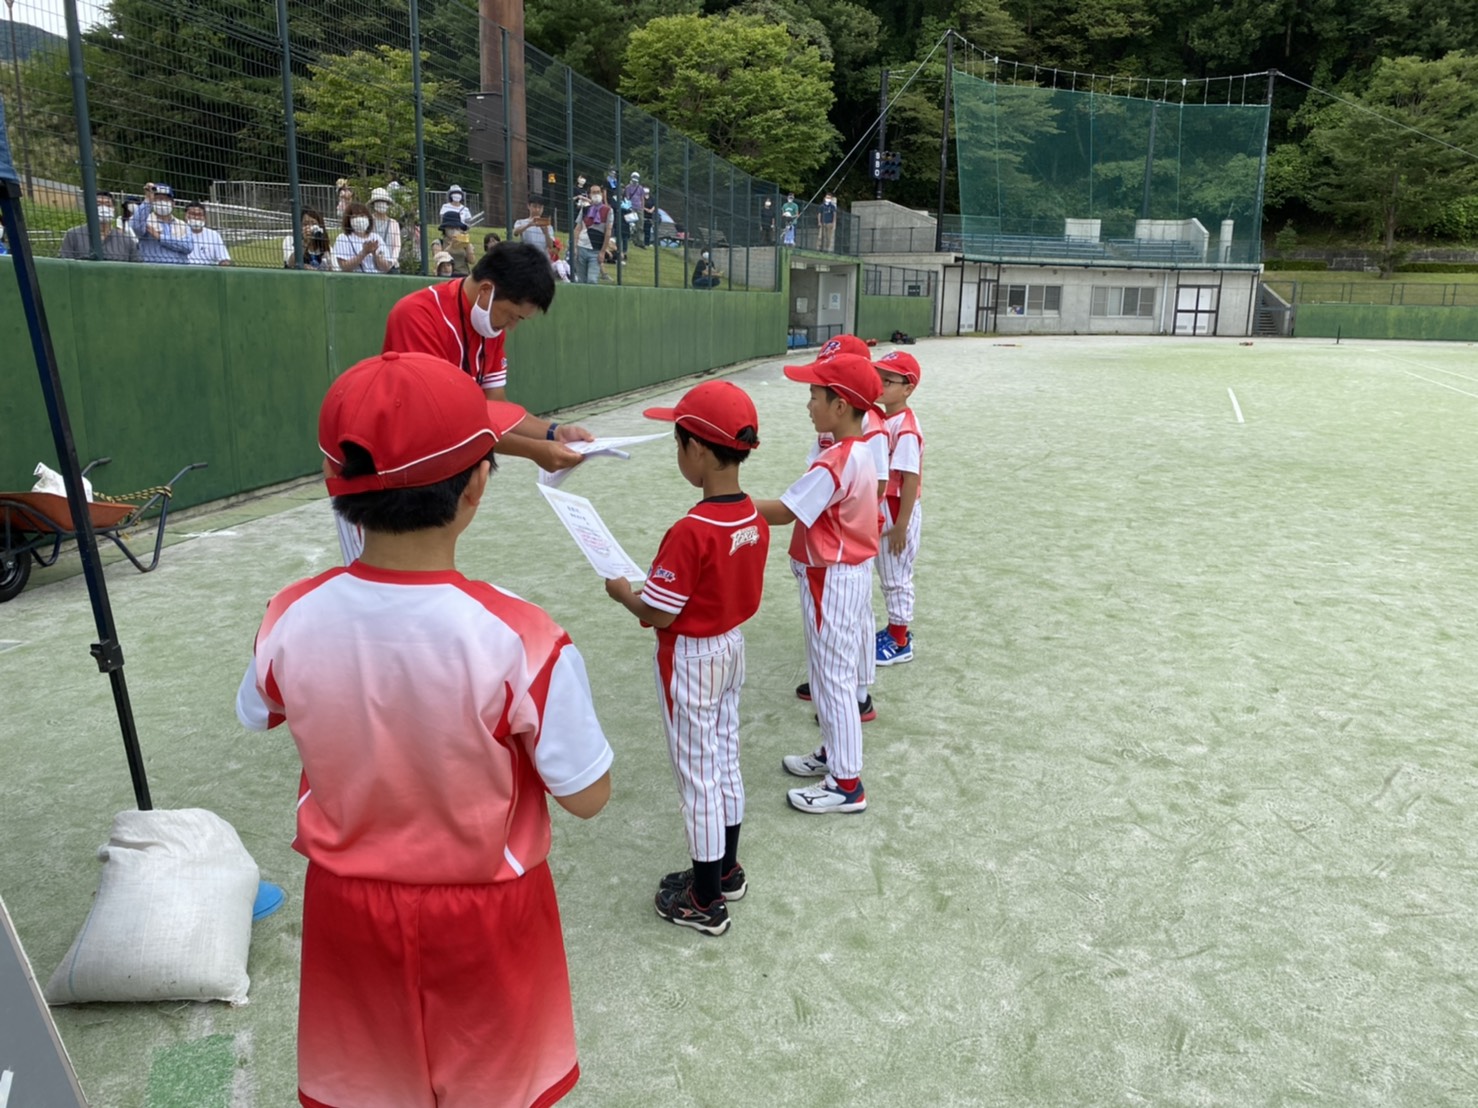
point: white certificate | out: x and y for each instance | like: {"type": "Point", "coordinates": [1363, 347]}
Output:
{"type": "Point", "coordinates": [592, 536]}
{"type": "Point", "coordinates": [597, 448]}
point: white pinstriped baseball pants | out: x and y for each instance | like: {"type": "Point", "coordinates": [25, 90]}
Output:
{"type": "Point", "coordinates": [698, 683]}
{"type": "Point", "coordinates": [896, 573]}
{"type": "Point", "coordinates": [351, 539]}
{"type": "Point", "coordinates": [841, 654]}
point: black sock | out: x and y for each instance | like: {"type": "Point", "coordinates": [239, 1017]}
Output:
{"type": "Point", "coordinates": [731, 848]}
{"type": "Point", "coordinates": [705, 882]}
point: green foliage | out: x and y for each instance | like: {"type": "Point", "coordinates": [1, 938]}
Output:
{"type": "Point", "coordinates": [1295, 264]}
{"type": "Point", "coordinates": [363, 104]}
{"type": "Point", "coordinates": [590, 36]}
{"type": "Point", "coordinates": [1437, 267]}
{"type": "Point", "coordinates": [1285, 242]}
{"type": "Point", "coordinates": [1458, 219]}
{"type": "Point", "coordinates": [744, 88]}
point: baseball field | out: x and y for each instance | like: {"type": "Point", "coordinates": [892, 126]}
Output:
{"type": "Point", "coordinates": [1175, 806]}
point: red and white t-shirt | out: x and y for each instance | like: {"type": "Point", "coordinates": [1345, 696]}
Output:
{"type": "Point", "coordinates": [836, 506]}
{"type": "Point", "coordinates": [438, 320]}
{"type": "Point", "coordinates": [710, 568]}
{"type": "Point", "coordinates": [431, 714]}
{"type": "Point", "coordinates": [874, 433]}
{"type": "Point", "coordinates": [905, 455]}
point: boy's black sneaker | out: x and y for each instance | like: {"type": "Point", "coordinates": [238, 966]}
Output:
{"type": "Point", "coordinates": [803, 691]}
{"type": "Point", "coordinates": [678, 906]}
{"type": "Point", "coordinates": [732, 884]}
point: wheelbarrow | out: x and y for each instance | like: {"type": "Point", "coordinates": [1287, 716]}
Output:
{"type": "Point", "coordinates": [33, 526]}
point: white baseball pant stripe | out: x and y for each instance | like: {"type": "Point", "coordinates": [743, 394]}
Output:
{"type": "Point", "coordinates": [836, 609]}
{"type": "Point", "coordinates": [351, 539]}
{"type": "Point", "coordinates": [896, 572]}
{"type": "Point", "coordinates": [698, 683]}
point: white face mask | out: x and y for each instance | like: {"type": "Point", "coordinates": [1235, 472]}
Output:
{"type": "Point", "coordinates": [360, 224]}
{"type": "Point", "coordinates": [482, 319]}
{"type": "Point", "coordinates": [381, 207]}
{"type": "Point", "coordinates": [705, 255]}
{"type": "Point", "coordinates": [105, 214]}
{"type": "Point", "coordinates": [163, 207]}
{"type": "Point", "coordinates": [196, 224]}
{"type": "Point", "coordinates": [595, 198]}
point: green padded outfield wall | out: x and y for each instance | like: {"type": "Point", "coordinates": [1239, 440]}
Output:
{"type": "Point", "coordinates": [879, 316]}
{"type": "Point", "coordinates": [166, 365]}
{"type": "Point", "coordinates": [1378, 321]}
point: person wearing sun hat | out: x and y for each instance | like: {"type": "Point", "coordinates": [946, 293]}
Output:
{"type": "Point", "coordinates": [433, 714]}
{"type": "Point", "coordinates": [834, 506]}
{"type": "Point", "coordinates": [705, 583]}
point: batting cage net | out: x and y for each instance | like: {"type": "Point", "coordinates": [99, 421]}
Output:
{"type": "Point", "coordinates": [1171, 176]}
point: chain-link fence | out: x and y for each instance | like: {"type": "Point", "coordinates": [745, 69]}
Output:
{"type": "Point", "coordinates": [892, 280]}
{"type": "Point", "coordinates": [417, 104]}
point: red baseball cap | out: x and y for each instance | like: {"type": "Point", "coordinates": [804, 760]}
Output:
{"type": "Point", "coordinates": [850, 375]}
{"type": "Point", "coordinates": [420, 419]}
{"type": "Point", "coordinates": [842, 344]}
{"type": "Point", "coordinates": [716, 411]}
{"type": "Point", "coordinates": [902, 363]}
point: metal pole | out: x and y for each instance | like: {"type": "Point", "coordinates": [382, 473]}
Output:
{"type": "Point", "coordinates": [949, 65]}
{"type": "Point", "coordinates": [1262, 172]}
{"type": "Point", "coordinates": [84, 131]}
{"type": "Point", "coordinates": [507, 141]}
{"type": "Point", "coordinates": [295, 199]}
{"type": "Point", "coordinates": [1149, 161]}
{"type": "Point", "coordinates": [20, 107]}
{"type": "Point", "coordinates": [882, 127]}
{"type": "Point", "coordinates": [748, 226]}
{"type": "Point", "coordinates": [687, 207]}
{"type": "Point", "coordinates": [422, 212]}
{"type": "Point", "coordinates": [657, 204]}
{"type": "Point", "coordinates": [729, 265]}
{"type": "Point", "coordinates": [570, 159]}
{"type": "Point", "coordinates": [107, 651]}
{"type": "Point", "coordinates": [619, 230]}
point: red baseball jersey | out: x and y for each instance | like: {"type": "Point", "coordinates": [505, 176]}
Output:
{"type": "Point", "coordinates": [710, 568]}
{"type": "Point", "coordinates": [874, 433]}
{"type": "Point", "coordinates": [905, 455]}
{"type": "Point", "coordinates": [431, 713]}
{"type": "Point", "coordinates": [438, 321]}
{"type": "Point", "coordinates": [836, 506]}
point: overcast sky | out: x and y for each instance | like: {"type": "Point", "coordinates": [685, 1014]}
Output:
{"type": "Point", "coordinates": [48, 14]}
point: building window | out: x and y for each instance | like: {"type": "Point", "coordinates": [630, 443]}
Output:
{"type": "Point", "coordinates": [1033, 299]}
{"type": "Point", "coordinates": [1124, 302]}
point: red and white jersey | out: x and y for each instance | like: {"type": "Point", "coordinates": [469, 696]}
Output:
{"type": "Point", "coordinates": [905, 455]}
{"type": "Point", "coordinates": [438, 320]}
{"type": "Point", "coordinates": [836, 506]}
{"type": "Point", "coordinates": [710, 568]}
{"type": "Point", "coordinates": [431, 714]}
{"type": "Point", "coordinates": [874, 433]}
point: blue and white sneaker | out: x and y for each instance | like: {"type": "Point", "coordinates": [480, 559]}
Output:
{"type": "Point", "coordinates": [891, 653]}
{"type": "Point", "coordinates": [806, 765]}
{"type": "Point", "coordinates": [884, 636]}
{"type": "Point", "coordinates": [827, 796]}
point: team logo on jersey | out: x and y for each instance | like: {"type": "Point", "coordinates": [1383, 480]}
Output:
{"type": "Point", "coordinates": [745, 536]}
{"type": "Point", "coordinates": [660, 574]}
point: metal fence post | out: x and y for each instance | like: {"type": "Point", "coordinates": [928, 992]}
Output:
{"type": "Point", "coordinates": [570, 160]}
{"type": "Point", "coordinates": [623, 237]}
{"type": "Point", "coordinates": [687, 205]}
{"type": "Point", "coordinates": [656, 243]}
{"type": "Point", "coordinates": [507, 142]}
{"type": "Point", "coordinates": [84, 133]}
{"type": "Point", "coordinates": [422, 213]}
{"type": "Point", "coordinates": [748, 226]}
{"type": "Point", "coordinates": [949, 65]}
{"type": "Point", "coordinates": [294, 199]}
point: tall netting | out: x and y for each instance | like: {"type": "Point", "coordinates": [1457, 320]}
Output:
{"type": "Point", "coordinates": [1052, 174]}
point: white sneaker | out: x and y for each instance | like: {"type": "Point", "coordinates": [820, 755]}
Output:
{"type": "Point", "coordinates": [805, 765]}
{"type": "Point", "coordinates": [828, 796]}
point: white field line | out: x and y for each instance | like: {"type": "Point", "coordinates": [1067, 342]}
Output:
{"type": "Point", "coordinates": [1429, 368]}
{"type": "Point", "coordinates": [1440, 384]}
{"type": "Point", "coordinates": [1237, 408]}
{"type": "Point", "coordinates": [5, 1079]}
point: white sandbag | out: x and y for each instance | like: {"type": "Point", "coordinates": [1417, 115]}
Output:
{"type": "Point", "coordinates": [172, 916]}
{"type": "Point", "coordinates": [49, 480]}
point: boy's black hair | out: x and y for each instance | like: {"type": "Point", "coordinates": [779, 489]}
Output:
{"type": "Point", "coordinates": [832, 394]}
{"type": "Point", "coordinates": [519, 272]}
{"type": "Point", "coordinates": [725, 455]}
{"type": "Point", "coordinates": [399, 511]}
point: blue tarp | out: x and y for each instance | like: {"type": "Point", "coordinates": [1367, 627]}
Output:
{"type": "Point", "coordinates": [7, 167]}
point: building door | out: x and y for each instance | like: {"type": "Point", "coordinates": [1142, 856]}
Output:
{"type": "Point", "coordinates": [1196, 308]}
{"type": "Point", "coordinates": [969, 300]}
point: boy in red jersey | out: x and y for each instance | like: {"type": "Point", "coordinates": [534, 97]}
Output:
{"type": "Point", "coordinates": [902, 510]}
{"type": "Point", "coordinates": [834, 507]}
{"type": "Point", "coordinates": [704, 583]}
{"type": "Point", "coordinates": [432, 715]}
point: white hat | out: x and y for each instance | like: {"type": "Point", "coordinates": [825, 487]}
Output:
{"type": "Point", "coordinates": [379, 194]}
{"type": "Point", "coordinates": [441, 258]}
{"type": "Point", "coordinates": [455, 188]}
{"type": "Point", "coordinates": [636, 176]}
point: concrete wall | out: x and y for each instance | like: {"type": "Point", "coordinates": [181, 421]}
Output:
{"type": "Point", "coordinates": [166, 365]}
{"type": "Point", "coordinates": [879, 316]}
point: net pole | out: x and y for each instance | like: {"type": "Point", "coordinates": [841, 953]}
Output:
{"type": "Point", "coordinates": [1262, 164]}
{"type": "Point", "coordinates": [949, 64]}
{"type": "Point", "coordinates": [621, 224]}
{"type": "Point", "coordinates": [656, 243]}
{"type": "Point", "coordinates": [882, 128]}
{"type": "Point", "coordinates": [284, 45]}
{"type": "Point", "coordinates": [84, 133]}
{"type": "Point", "coordinates": [507, 140]}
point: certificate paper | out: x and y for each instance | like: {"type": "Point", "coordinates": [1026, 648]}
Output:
{"type": "Point", "coordinates": [592, 536]}
{"type": "Point", "coordinates": [598, 448]}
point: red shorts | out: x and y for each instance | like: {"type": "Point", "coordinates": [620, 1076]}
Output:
{"type": "Point", "coordinates": [433, 996]}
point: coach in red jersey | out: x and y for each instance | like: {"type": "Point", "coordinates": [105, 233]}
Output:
{"type": "Point", "coordinates": [464, 321]}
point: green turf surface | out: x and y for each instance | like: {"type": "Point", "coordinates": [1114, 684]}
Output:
{"type": "Point", "coordinates": [1174, 807]}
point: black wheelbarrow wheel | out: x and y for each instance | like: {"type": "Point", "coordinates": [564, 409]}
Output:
{"type": "Point", "coordinates": [15, 571]}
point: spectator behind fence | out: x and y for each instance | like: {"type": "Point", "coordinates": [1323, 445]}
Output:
{"type": "Point", "coordinates": [789, 212]}
{"type": "Point", "coordinates": [454, 241]}
{"type": "Point", "coordinates": [456, 204]}
{"type": "Point", "coordinates": [384, 226]}
{"type": "Point", "coordinates": [490, 240]}
{"type": "Point", "coordinates": [594, 238]}
{"type": "Point", "coordinates": [207, 246]}
{"type": "Point", "coordinates": [443, 262]}
{"type": "Point", "coordinates": [534, 229]}
{"type": "Point", "coordinates": [561, 267]}
{"type": "Point", "coordinates": [632, 201]}
{"type": "Point", "coordinates": [826, 224]}
{"type": "Point", "coordinates": [129, 205]}
{"type": "Point", "coordinates": [704, 275]}
{"type": "Point", "coordinates": [648, 216]}
{"type": "Point", "coordinates": [346, 197]}
{"type": "Point", "coordinates": [767, 222]}
{"type": "Point", "coordinates": [358, 249]}
{"type": "Point", "coordinates": [316, 252]}
{"type": "Point", "coordinates": [118, 246]}
{"type": "Point", "coordinates": [163, 239]}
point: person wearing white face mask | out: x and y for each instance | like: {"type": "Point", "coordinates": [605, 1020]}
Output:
{"type": "Point", "coordinates": [208, 249]}
{"type": "Point", "coordinates": [118, 246]}
{"type": "Point", "coordinates": [163, 239]}
{"type": "Point", "coordinates": [385, 226]}
{"type": "Point", "coordinates": [358, 249]}
{"type": "Point", "coordinates": [704, 275]}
